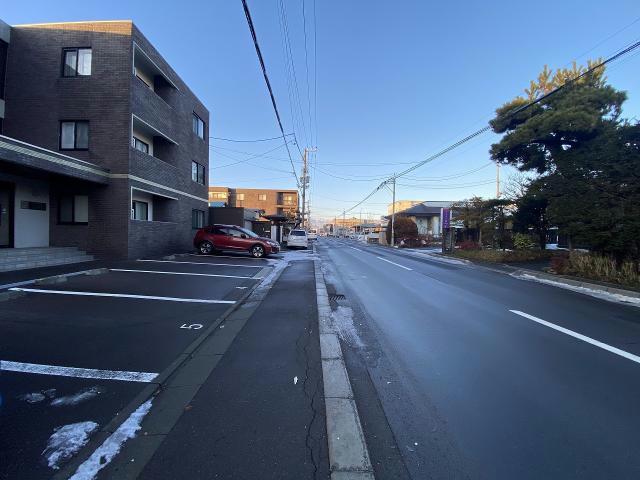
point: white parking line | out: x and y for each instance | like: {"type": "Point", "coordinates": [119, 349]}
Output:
{"type": "Point", "coordinates": [59, 371]}
{"type": "Point", "coordinates": [121, 295]}
{"type": "Point", "coordinates": [178, 273]}
{"type": "Point", "coordinates": [579, 336]}
{"type": "Point", "coordinates": [203, 263]}
{"type": "Point", "coordinates": [224, 256]}
{"type": "Point", "coordinates": [393, 263]}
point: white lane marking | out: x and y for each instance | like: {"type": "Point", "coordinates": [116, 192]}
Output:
{"type": "Point", "coordinates": [354, 248]}
{"type": "Point", "coordinates": [121, 295]}
{"type": "Point", "coordinates": [60, 371]}
{"type": "Point", "coordinates": [579, 336]}
{"type": "Point", "coordinates": [393, 263]}
{"type": "Point", "coordinates": [204, 263]}
{"type": "Point", "coordinates": [178, 273]}
{"type": "Point", "coordinates": [103, 455]}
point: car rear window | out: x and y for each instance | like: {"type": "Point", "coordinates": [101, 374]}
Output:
{"type": "Point", "coordinates": [298, 233]}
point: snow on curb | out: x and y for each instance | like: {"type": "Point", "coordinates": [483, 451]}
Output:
{"type": "Point", "coordinates": [436, 257]}
{"type": "Point", "coordinates": [601, 294]}
{"type": "Point", "coordinates": [66, 441]}
{"type": "Point", "coordinates": [101, 457]}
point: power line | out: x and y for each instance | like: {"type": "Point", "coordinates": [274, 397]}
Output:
{"type": "Point", "coordinates": [250, 141]}
{"type": "Point", "coordinates": [306, 66]}
{"type": "Point", "coordinates": [257, 155]}
{"type": "Point", "coordinates": [521, 109]}
{"type": "Point", "coordinates": [266, 79]}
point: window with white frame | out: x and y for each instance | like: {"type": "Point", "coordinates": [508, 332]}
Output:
{"type": "Point", "coordinates": [262, 197]}
{"type": "Point", "coordinates": [240, 196]}
{"type": "Point", "coordinates": [76, 62]}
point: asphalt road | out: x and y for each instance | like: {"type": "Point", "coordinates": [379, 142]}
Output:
{"type": "Point", "coordinates": [138, 317]}
{"type": "Point", "coordinates": [471, 389]}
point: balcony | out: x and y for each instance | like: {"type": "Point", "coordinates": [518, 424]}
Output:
{"type": "Point", "coordinates": [152, 76]}
{"type": "Point", "coordinates": [151, 141]}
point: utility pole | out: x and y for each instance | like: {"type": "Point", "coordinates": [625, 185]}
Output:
{"type": "Point", "coordinates": [393, 211]}
{"type": "Point", "coordinates": [305, 184]}
{"type": "Point", "coordinates": [343, 222]}
{"type": "Point", "coordinates": [497, 180]}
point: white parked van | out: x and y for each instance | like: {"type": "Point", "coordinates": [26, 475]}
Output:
{"type": "Point", "coordinates": [297, 239]}
{"type": "Point", "coordinates": [313, 234]}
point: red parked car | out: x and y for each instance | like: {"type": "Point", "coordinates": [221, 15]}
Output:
{"type": "Point", "coordinates": [216, 238]}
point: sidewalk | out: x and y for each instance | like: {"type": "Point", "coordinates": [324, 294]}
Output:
{"type": "Point", "coordinates": [260, 413]}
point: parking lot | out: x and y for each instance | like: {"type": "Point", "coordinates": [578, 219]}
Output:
{"type": "Point", "coordinates": [79, 351]}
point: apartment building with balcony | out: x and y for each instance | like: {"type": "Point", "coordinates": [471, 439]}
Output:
{"type": "Point", "coordinates": [102, 145]}
{"type": "Point", "coordinates": [273, 202]}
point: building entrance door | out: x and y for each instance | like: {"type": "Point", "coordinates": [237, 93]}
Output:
{"type": "Point", "coordinates": [6, 214]}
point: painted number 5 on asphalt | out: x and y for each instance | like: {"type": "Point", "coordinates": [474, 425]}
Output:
{"type": "Point", "coordinates": [192, 326]}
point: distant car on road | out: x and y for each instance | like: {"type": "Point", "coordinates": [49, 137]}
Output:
{"type": "Point", "coordinates": [313, 234]}
{"type": "Point", "coordinates": [217, 238]}
{"type": "Point", "coordinates": [298, 239]}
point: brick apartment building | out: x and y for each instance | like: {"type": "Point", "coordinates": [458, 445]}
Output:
{"type": "Point", "coordinates": [102, 145]}
{"type": "Point", "coordinates": [273, 202]}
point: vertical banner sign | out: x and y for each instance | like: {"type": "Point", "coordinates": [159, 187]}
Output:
{"type": "Point", "coordinates": [446, 218]}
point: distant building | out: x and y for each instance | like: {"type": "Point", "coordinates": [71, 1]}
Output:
{"type": "Point", "coordinates": [102, 146]}
{"type": "Point", "coordinates": [273, 202]}
{"type": "Point", "coordinates": [402, 205]}
{"type": "Point", "coordinates": [426, 216]}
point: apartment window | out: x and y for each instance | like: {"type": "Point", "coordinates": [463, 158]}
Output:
{"type": "Point", "coordinates": [262, 197]}
{"type": "Point", "coordinates": [218, 195]}
{"type": "Point", "coordinates": [197, 172]}
{"type": "Point", "coordinates": [139, 210]}
{"type": "Point", "coordinates": [240, 196]}
{"type": "Point", "coordinates": [73, 210]}
{"type": "Point", "coordinates": [198, 126]}
{"type": "Point", "coordinates": [197, 218]}
{"type": "Point", "coordinates": [76, 62]}
{"type": "Point", "coordinates": [74, 135]}
{"type": "Point", "coordinates": [288, 199]}
{"type": "Point", "coordinates": [140, 145]}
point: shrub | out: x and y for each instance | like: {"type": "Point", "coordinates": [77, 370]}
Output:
{"type": "Point", "coordinates": [522, 241]}
{"type": "Point", "coordinates": [403, 227]}
{"type": "Point", "coordinates": [604, 268]}
{"type": "Point", "coordinates": [469, 245]}
{"type": "Point", "coordinates": [503, 256]}
{"type": "Point", "coordinates": [559, 264]}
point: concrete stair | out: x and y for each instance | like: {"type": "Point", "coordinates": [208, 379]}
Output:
{"type": "Point", "coordinates": [23, 258]}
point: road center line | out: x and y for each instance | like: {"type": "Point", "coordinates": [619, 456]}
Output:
{"type": "Point", "coordinates": [354, 248]}
{"type": "Point", "coordinates": [203, 263]}
{"type": "Point", "coordinates": [393, 263]}
{"type": "Point", "coordinates": [120, 295]}
{"type": "Point", "coordinates": [179, 273]}
{"type": "Point", "coordinates": [579, 336]}
{"type": "Point", "coordinates": [76, 372]}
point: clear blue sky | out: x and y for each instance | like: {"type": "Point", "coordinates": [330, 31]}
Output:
{"type": "Point", "coordinates": [396, 80]}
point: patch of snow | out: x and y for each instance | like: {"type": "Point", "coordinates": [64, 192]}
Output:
{"type": "Point", "coordinates": [601, 294]}
{"type": "Point", "coordinates": [295, 380]}
{"type": "Point", "coordinates": [81, 396]}
{"type": "Point", "coordinates": [112, 445]}
{"type": "Point", "coordinates": [342, 319]}
{"type": "Point", "coordinates": [66, 441]}
{"type": "Point", "coordinates": [32, 397]}
{"type": "Point", "coordinates": [436, 257]}
{"type": "Point", "coordinates": [37, 397]}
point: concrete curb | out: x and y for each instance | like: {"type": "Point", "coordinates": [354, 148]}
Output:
{"type": "Point", "coordinates": [164, 383]}
{"type": "Point", "coordinates": [348, 454]}
{"type": "Point", "coordinates": [576, 283]}
{"type": "Point", "coordinates": [53, 279]}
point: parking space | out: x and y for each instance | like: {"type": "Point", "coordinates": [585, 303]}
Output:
{"type": "Point", "coordinates": [79, 351]}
